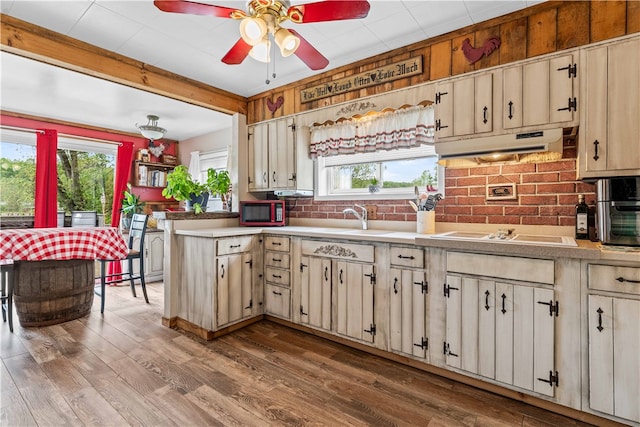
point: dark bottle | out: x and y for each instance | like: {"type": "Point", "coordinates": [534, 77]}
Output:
{"type": "Point", "coordinates": [582, 219]}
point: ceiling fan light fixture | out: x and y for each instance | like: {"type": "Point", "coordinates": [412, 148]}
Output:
{"type": "Point", "coordinates": [253, 30]}
{"type": "Point", "coordinates": [287, 42]}
{"type": "Point", "coordinates": [151, 130]}
{"type": "Point", "coordinates": [260, 52]}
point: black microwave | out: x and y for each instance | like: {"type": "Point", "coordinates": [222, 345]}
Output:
{"type": "Point", "coordinates": [263, 213]}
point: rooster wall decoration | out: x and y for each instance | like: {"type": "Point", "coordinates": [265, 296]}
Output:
{"type": "Point", "coordinates": [474, 54]}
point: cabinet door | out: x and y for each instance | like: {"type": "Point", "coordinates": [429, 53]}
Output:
{"type": "Point", "coordinates": [277, 300]}
{"type": "Point", "coordinates": [543, 341]}
{"type": "Point", "coordinates": [469, 330]}
{"type": "Point", "coordinates": [281, 153]}
{"type": "Point", "coordinates": [453, 326]}
{"type": "Point", "coordinates": [259, 157]}
{"type": "Point", "coordinates": [407, 312]}
{"type": "Point", "coordinates": [504, 333]}
{"type": "Point", "coordinates": [355, 300]}
{"type": "Point", "coordinates": [535, 93]}
{"type": "Point", "coordinates": [614, 345]}
{"type": "Point", "coordinates": [561, 89]}
{"type": "Point", "coordinates": [315, 308]}
{"type": "Point", "coordinates": [444, 110]}
{"type": "Point", "coordinates": [155, 255]}
{"type": "Point", "coordinates": [233, 288]}
{"type": "Point", "coordinates": [593, 123]}
{"type": "Point", "coordinates": [512, 97]}
{"type": "Point", "coordinates": [623, 114]}
{"type": "Point", "coordinates": [463, 106]}
{"type": "Point", "coordinates": [483, 103]}
{"type": "Point", "coordinates": [486, 329]}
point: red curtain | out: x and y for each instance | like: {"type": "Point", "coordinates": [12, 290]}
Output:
{"type": "Point", "coordinates": [123, 170]}
{"type": "Point", "coordinates": [46, 207]}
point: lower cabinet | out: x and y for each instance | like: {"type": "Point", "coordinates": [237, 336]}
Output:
{"type": "Point", "coordinates": [614, 342]}
{"type": "Point", "coordinates": [501, 329]}
{"type": "Point", "coordinates": [337, 293]}
{"type": "Point", "coordinates": [277, 300]}
{"type": "Point", "coordinates": [408, 310]}
{"type": "Point", "coordinates": [153, 257]}
{"type": "Point", "coordinates": [277, 276]}
{"type": "Point", "coordinates": [234, 280]}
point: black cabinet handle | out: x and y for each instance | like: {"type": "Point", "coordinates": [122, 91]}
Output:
{"type": "Point", "coordinates": [510, 110]}
{"type": "Point", "coordinates": [504, 297]}
{"type": "Point", "coordinates": [326, 274]}
{"type": "Point", "coordinates": [406, 257]}
{"type": "Point", "coordinates": [276, 293]}
{"type": "Point", "coordinates": [395, 285]}
{"type": "Point", "coordinates": [274, 176]}
{"type": "Point", "coordinates": [234, 246]}
{"type": "Point", "coordinates": [276, 260]}
{"type": "Point", "coordinates": [276, 243]}
{"type": "Point", "coordinates": [341, 276]}
{"type": "Point", "coordinates": [222, 268]}
{"type": "Point", "coordinates": [595, 146]}
{"type": "Point", "coordinates": [622, 280]}
{"type": "Point", "coordinates": [264, 177]}
{"type": "Point", "coordinates": [276, 276]}
{"type": "Point", "coordinates": [599, 311]}
{"type": "Point", "coordinates": [484, 114]}
{"type": "Point", "coordinates": [486, 299]}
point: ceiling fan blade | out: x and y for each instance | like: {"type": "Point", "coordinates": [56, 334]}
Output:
{"type": "Point", "coordinates": [330, 10]}
{"type": "Point", "coordinates": [237, 53]}
{"type": "Point", "coordinates": [193, 8]}
{"type": "Point", "coordinates": [309, 54]}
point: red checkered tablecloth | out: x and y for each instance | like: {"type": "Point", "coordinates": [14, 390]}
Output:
{"type": "Point", "coordinates": [37, 244]}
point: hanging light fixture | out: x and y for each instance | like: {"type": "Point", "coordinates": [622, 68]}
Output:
{"type": "Point", "coordinates": [287, 42]}
{"type": "Point", "coordinates": [260, 52]}
{"type": "Point", "coordinates": [151, 130]}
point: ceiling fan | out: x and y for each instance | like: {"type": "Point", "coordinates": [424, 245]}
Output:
{"type": "Point", "coordinates": [263, 19]}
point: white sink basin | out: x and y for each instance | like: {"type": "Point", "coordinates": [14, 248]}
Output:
{"type": "Point", "coordinates": [529, 239]}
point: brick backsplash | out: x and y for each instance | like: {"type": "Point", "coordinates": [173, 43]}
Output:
{"type": "Point", "coordinates": [547, 193]}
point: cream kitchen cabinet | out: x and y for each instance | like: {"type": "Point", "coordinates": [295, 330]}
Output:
{"type": "Point", "coordinates": [234, 280]}
{"type": "Point", "coordinates": [337, 288]}
{"type": "Point", "coordinates": [153, 259]}
{"type": "Point", "coordinates": [614, 340]}
{"type": "Point", "coordinates": [408, 302]}
{"type": "Point", "coordinates": [277, 275]}
{"type": "Point", "coordinates": [540, 92]}
{"type": "Point", "coordinates": [464, 106]}
{"type": "Point", "coordinates": [278, 157]}
{"type": "Point", "coordinates": [609, 142]}
{"type": "Point", "coordinates": [498, 326]}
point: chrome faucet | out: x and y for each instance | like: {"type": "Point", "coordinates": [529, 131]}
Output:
{"type": "Point", "coordinates": [362, 217]}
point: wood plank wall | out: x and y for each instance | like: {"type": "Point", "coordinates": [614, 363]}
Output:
{"type": "Point", "coordinates": [544, 28]}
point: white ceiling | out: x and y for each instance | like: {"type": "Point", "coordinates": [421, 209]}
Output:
{"type": "Point", "coordinates": [193, 46]}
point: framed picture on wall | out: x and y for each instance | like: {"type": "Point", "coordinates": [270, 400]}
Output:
{"type": "Point", "coordinates": [501, 191]}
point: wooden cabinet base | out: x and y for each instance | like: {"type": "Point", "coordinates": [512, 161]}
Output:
{"type": "Point", "coordinates": [512, 394]}
{"type": "Point", "coordinates": [205, 334]}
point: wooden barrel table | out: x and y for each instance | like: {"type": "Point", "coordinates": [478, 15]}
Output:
{"type": "Point", "coordinates": [51, 292]}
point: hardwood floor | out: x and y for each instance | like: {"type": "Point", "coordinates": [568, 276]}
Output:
{"type": "Point", "coordinates": [124, 368]}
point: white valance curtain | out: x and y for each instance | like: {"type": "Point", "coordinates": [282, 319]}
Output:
{"type": "Point", "coordinates": [403, 128]}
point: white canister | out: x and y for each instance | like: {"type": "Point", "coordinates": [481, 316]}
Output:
{"type": "Point", "coordinates": [426, 222]}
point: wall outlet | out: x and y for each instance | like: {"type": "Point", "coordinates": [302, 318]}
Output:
{"type": "Point", "coordinates": [372, 211]}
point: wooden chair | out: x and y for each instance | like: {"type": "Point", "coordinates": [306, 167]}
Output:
{"type": "Point", "coordinates": [136, 252]}
{"type": "Point", "coordinates": [6, 295]}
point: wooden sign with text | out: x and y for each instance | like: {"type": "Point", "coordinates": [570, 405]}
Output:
{"type": "Point", "coordinates": [384, 74]}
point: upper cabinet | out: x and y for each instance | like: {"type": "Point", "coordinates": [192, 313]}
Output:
{"type": "Point", "coordinates": [464, 106]}
{"type": "Point", "coordinates": [277, 154]}
{"type": "Point", "coordinates": [609, 143]}
{"type": "Point", "coordinates": [540, 92]}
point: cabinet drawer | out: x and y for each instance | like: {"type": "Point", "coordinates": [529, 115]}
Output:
{"type": "Point", "coordinates": [234, 245]}
{"type": "Point", "coordinates": [279, 277]}
{"type": "Point", "coordinates": [407, 257]}
{"type": "Point", "coordinates": [503, 267]}
{"type": "Point", "coordinates": [276, 259]}
{"type": "Point", "coordinates": [273, 243]}
{"type": "Point", "coordinates": [614, 278]}
{"type": "Point", "coordinates": [277, 301]}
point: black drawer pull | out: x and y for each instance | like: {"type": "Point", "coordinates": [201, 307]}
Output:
{"type": "Point", "coordinates": [234, 246]}
{"type": "Point", "coordinates": [276, 293]}
{"type": "Point", "coordinates": [406, 257]}
{"type": "Point", "coordinates": [276, 276]}
{"type": "Point", "coordinates": [622, 280]}
{"type": "Point", "coordinates": [276, 243]}
{"type": "Point", "coordinates": [276, 260]}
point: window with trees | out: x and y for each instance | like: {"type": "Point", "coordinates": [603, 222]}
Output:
{"type": "Point", "coordinates": [85, 174]}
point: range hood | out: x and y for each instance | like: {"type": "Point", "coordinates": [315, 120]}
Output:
{"type": "Point", "coordinates": [293, 193]}
{"type": "Point", "coordinates": [548, 140]}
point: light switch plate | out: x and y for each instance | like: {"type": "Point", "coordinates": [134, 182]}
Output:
{"type": "Point", "coordinates": [372, 211]}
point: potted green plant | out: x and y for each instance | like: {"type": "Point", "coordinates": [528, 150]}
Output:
{"type": "Point", "coordinates": [182, 187]}
{"type": "Point", "coordinates": [373, 185]}
{"type": "Point", "coordinates": [131, 204]}
{"type": "Point", "coordinates": [219, 182]}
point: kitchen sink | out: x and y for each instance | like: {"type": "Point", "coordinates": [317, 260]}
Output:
{"type": "Point", "coordinates": [530, 239]}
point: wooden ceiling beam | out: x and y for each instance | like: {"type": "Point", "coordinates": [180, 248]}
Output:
{"type": "Point", "coordinates": [34, 42]}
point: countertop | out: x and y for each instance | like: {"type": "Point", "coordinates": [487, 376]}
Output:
{"type": "Point", "coordinates": [585, 250]}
